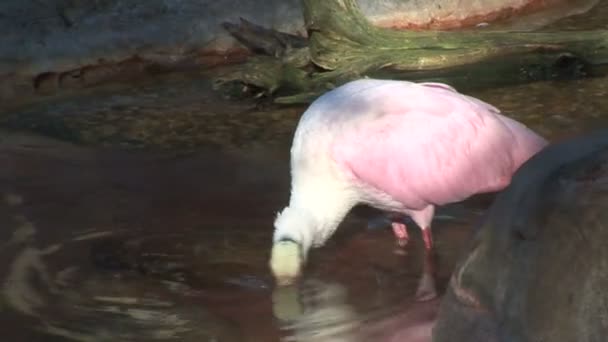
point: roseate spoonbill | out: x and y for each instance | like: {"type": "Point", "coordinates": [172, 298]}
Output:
{"type": "Point", "coordinates": [395, 145]}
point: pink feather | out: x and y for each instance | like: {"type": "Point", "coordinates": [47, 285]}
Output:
{"type": "Point", "coordinates": [426, 144]}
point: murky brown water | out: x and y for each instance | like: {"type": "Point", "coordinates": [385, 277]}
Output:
{"type": "Point", "coordinates": [149, 217]}
{"type": "Point", "coordinates": [107, 244]}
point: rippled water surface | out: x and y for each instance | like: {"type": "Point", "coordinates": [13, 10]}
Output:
{"type": "Point", "coordinates": [136, 245]}
{"type": "Point", "coordinates": [144, 211]}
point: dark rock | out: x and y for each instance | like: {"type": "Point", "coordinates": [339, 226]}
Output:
{"type": "Point", "coordinates": [537, 268]}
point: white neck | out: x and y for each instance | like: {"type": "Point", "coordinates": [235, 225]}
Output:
{"type": "Point", "coordinates": [315, 210]}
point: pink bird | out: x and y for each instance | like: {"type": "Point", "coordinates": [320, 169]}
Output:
{"type": "Point", "coordinates": [397, 146]}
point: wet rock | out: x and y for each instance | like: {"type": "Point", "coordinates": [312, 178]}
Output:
{"type": "Point", "coordinates": [538, 266]}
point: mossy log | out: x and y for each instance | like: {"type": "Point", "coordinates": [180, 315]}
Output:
{"type": "Point", "coordinates": [343, 45]}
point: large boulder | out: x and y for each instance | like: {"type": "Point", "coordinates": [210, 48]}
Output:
{"type": "Point", "coordinates": [537, 269]}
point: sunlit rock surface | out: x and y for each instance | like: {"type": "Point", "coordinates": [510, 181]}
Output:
{"type": "Point", "coordinates": [449, 14]}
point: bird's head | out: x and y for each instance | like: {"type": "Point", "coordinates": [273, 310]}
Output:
{"type": "Point", "coordinates": [297, 229]}
{"type": "Point", "coordinates": [317, 206]}
{"type": "Point", "coordinates": [293, 236]}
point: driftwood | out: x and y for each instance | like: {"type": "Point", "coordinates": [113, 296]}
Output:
{"type": "Point", "coordinates": [343, 45]}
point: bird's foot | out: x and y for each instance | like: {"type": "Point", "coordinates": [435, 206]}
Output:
{"type": "Point", "coordinates": [285, 262]}
{"type": "Point", "coordinates": [427, 288]}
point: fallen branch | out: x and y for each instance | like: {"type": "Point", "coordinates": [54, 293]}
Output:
{"type": "Point", "coordinates": [343, 45]}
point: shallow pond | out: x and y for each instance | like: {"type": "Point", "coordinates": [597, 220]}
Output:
{"type": "Point", "coordinates": [143, 212]}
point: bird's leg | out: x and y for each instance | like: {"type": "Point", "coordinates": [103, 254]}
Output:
{"type": "Point", "coordinates": [427, 236]}
{"type": "Point", "coordinates": [423, 219]}
{"type": "Point", "coordinates": [400, 231]}
{"type": "Point", "coordinates": [399, 228]}
{"type": "Point", "coordinates": [427, 289]}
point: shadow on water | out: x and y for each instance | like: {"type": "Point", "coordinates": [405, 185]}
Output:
{"type": "Point", "coordinates": [150, 218]}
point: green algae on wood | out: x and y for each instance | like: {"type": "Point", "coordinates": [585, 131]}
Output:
{"type": "Point", "coordinates": [343, 45]}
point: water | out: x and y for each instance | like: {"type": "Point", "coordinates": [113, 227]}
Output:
{"type": "Point", "coordinates": [103, 243]}
{"type": "Point", "coordinates": [143, 212]}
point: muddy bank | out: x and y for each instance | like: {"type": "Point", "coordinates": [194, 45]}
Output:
{"type": "Point", "coordinates": [182, 111]}
{"type": "Point", "coordinates": [72, 44]}
{"type": "Point", "coordinates": [537, 267]}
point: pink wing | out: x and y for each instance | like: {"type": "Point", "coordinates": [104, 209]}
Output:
{"type": "Point", "coordinates": [430, 145]}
